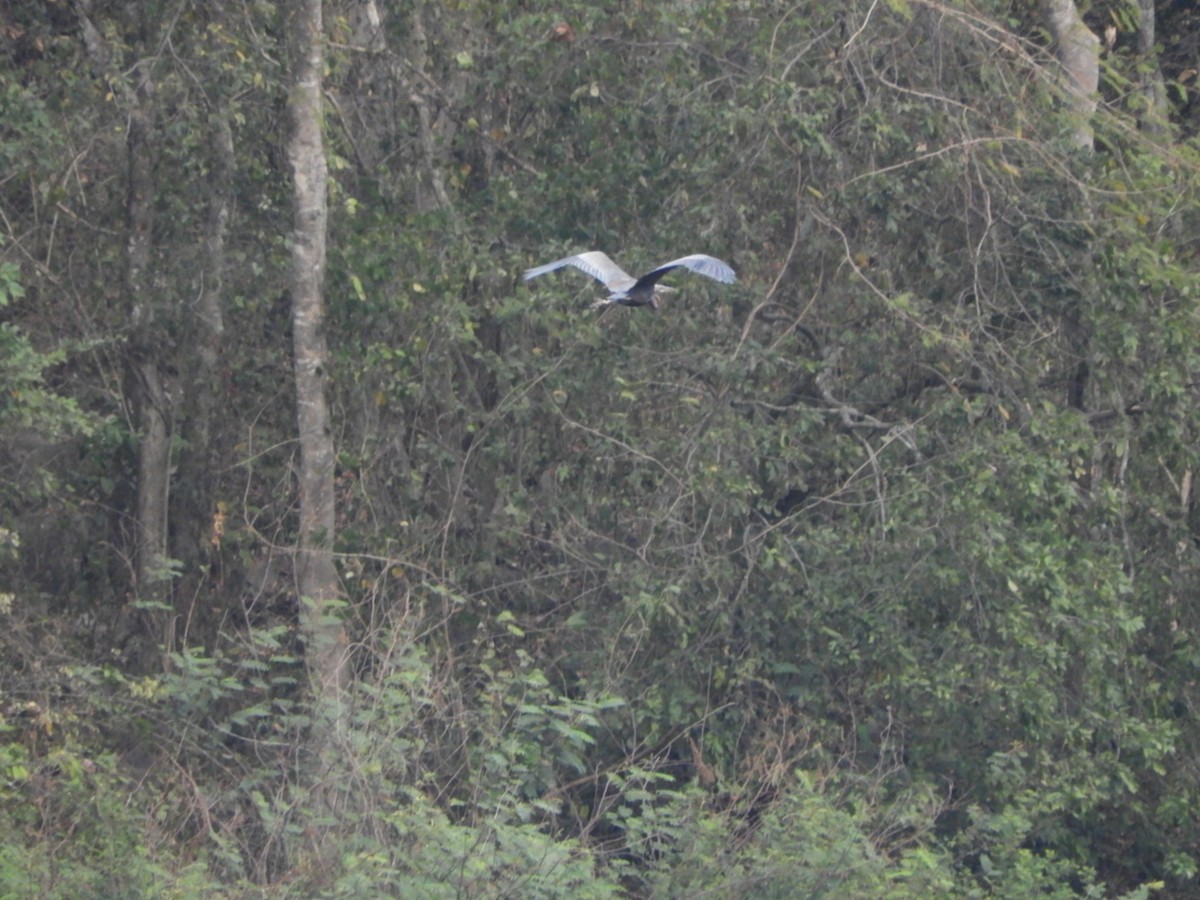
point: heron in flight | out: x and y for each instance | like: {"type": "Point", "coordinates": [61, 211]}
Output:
{"type": "Point", "coordinates": [626, 290]}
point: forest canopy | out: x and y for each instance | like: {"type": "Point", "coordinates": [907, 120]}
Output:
{"type": "Point", "coordinates": [336, 560]}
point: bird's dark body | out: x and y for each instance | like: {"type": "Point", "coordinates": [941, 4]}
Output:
{"type": "Point", "coordinates": [635, 297]}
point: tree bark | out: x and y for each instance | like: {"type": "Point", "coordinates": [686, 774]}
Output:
{"type": "Point", "coordinates": [434, 133]}
{"type": "Point", "coordinates": [146, 384]}
{"type": "Point", "coordinates": [316, 575]}
{"type": "Point", "coordinates": [1154, 91]}
{"type": "Point", "coordinates": [196, 529]}
{"type": "Point", "coordinates": [1078, 52]}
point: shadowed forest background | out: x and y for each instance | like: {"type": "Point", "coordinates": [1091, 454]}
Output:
{"type": "Point", "coordinates": [337, 561]}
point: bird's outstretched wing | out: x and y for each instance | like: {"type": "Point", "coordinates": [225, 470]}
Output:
{"type": "Point", "coordinates": [699, 263]}
{"type": "Point", "coordinates": [594, 263]}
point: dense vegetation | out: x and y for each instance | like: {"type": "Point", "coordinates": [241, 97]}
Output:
{"type": "Point", "coordinates": [870, 575]}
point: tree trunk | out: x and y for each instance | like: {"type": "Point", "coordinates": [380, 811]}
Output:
{"type": "Point", "coordinates": [1156, 114]}
{"type": "Point", "coordinates": [1078, 52]}
{"type": "Point", "coordinates": [196, 529]}
{"type": "Point", "coordinates": [434, 132]}
{"type": "Point", "coordinates": [145, 383]}
{"type": "Point", "coordinates": [145, 380]}
{"type": "Point", "coordinates": [316, 576]}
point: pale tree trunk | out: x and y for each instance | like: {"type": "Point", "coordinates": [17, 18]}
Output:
{"type": "Point", "coordinates": [1078, 52]}
{"type": "Point", "coordinates": [317, 581]}
{"type": "Point", "coordinates": [1154, 91]}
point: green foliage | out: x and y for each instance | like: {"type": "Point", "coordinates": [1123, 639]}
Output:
{"type": "Point", "coordinates": [427, 855]}
{"type": "Point", "coordinates": [869, 575]}
{"type": "Point", "coordinates": [71, 831]}
{"type": "Point", "coordinates": [808, 843]}
{"type": "Point", "coordinates": [28, 404]}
